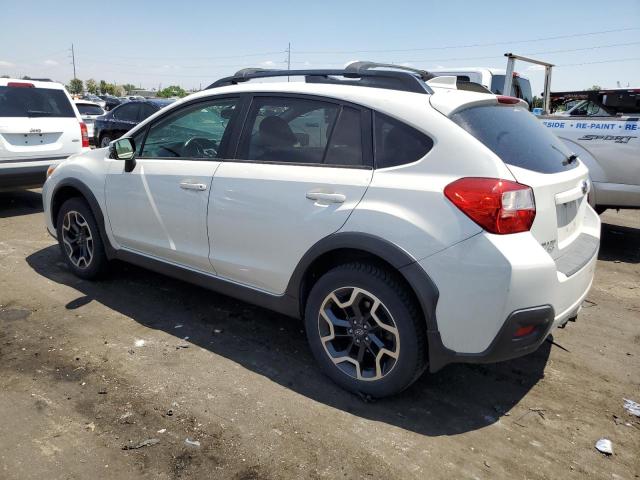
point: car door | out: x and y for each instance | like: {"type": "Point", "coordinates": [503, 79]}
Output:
{"type": "Point", "coordinates": [301, 167]}
{"type": "Point", "coordinates": [160, 207]}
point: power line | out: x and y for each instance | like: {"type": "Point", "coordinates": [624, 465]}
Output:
{"type": "Point", "coordinates": [491, 44]}
{"type": "Point", "coordinates": [603, 61]}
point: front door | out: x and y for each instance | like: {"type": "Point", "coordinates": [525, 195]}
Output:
{"type": "Point", "coordinates": [301, 168]}
{"type": "Point", "coordinates": [160, 207]}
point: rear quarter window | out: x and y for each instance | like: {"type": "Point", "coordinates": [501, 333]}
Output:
{"type": "Point", "coordinates": [517, 137]}
{"type": "Point", "coordinates": [34, 102]}
{"type": "Point", "coordinates": [397, 143]}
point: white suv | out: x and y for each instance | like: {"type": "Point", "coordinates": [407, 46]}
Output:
{"type": "Point", "coordinates": [39, 126]}
{"type": "Point", "coordinates": [409, 225]}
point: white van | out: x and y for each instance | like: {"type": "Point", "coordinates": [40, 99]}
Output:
{"type": "Point", "coordinates": [39, 126]}
{"type": "Point", "coordinates": [491, 78]}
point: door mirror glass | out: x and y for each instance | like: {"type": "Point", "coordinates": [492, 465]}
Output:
{"type": "Point", "coordinates": [122, 149]}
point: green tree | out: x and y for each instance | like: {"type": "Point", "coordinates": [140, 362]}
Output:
{"type": "Point", "coordinates": [92, 86]}
{"type": "Point", "coordinates": [172, 91]}
{"type": "Point", "coordinates": [595, 87]}
{"type": "Point", "coordinates": [128, 87]}
{"type": "Point", "coordinates": [537, 102]}
{"type": "Point", "coordinates": [75, 86]}
{"type": "Point", "coordinates": [103, 87]}
{"type": "Point", "coordinates": [119, 91]}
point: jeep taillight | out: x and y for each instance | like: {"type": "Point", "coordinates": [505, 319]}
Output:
{"type": "Point", "coordinates": [498, 206]}
{"type": "Point", "coordinates": [85, 135]}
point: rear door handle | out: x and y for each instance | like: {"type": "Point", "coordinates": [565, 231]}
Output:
{"type": "Point", "coordinates": [326, 197]}
{"type": "Point", "coordinates": [193, 186]}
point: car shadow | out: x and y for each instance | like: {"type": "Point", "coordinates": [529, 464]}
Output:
{"type": "Point", "coordinates": [619, 244]}
{"type": "Point", "coordinates": [458, 399]}
{"type": "Point", "coordinates": [20, 202]}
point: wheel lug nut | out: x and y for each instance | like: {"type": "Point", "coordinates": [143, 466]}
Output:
{"type": "Point", "coordinates": [366, 338]}
{"type": "Point", "coordinates": [350, 330]}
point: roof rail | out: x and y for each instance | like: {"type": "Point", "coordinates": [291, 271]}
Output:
{"type": "Point", "coordinates": [365, 74]}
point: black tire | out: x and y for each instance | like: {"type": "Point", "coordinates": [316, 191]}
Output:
{"type": "Point", "coordinates": [97, 264]}
{"type": "Point", "coordinates": [105, 140]}
{"type": "Point", "coordinates": [385, 286]}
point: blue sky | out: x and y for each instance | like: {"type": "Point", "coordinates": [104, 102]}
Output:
{"type": "Point", "coordinates": [195, 42]}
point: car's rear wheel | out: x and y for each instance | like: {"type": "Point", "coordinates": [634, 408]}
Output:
{"type": "Point", "coordinates": [80, 240]}
{"type": "Point", "coordinates": [365, 330]}
{"type": "Point", "coordinates": [105, 140]}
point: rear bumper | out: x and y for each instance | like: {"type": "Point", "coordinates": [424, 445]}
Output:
{"type": "Point", "coordinates": [23, 177]}
{"type": "Point", "coordinates": [487, 284]}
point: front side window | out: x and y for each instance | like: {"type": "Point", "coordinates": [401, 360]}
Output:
{"type": "Point", "coordinates": [147, 110]}
{"type": "Point", "coordinates": [196, 131]}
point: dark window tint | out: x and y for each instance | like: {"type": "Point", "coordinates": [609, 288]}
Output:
{"type": "Point", "coordinates": [291, 130]}
{"type": "Point", "coordinates": [397, 143]}
{"type": "Point", "coordinates": [520, 87]}
{"type": "Point", "coordinates": [127, 112]}
{"type": "Point", "coordinates": [34, 102]}
{"type": "Point", "coordinates": [517, 137]}
{"type": "Point", "coordinates": [195, 131]}
{"type": "Point", "coordinates": [345, 147]}
{"type": "Point", "coordinates": [147, 110]}
{"type": "Point", "coordinates": [86, 109]}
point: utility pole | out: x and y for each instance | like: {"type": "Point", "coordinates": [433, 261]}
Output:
{"type": "Point", "coordinates": [73, 60]}
{"type": "Point", "coordinates": [288, 59]}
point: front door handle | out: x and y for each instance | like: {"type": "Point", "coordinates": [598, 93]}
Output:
{"type": "Point", "coordinates": [193, 186]}
{"type": "Point", "coordinates": [326, 197]}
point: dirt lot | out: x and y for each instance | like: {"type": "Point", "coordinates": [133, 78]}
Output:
{"type": "Point", "coordinates": [87, 369]}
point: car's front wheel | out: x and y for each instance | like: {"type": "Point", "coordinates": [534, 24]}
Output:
{"type": "Point", "coordinates": [80, 240]}
{"type": "Point", "coordinates": [365, 330]}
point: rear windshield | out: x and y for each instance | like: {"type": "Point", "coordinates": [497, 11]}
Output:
{"type": "Point", "coordinates": [85, 109]}
{"type": "Point", "coordinates": [517, 137]}
{"type": "Point", "coordinates": [34, 102]}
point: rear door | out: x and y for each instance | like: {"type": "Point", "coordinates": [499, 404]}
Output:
{"type": "Point", "coordinates": [536, 158]}
{"type": "Point", "coordinates": [36, 123]}
{"type": "Point", "coordinates": [301, 167]}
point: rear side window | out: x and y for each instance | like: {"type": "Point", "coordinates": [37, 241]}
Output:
{"type": "Point", "coordinates": [147, 111]}
{"type": "Point", "coordinates": [127, 112]}
{"type": "Point", "coordinates": [291, 130]}
{"type": "Point", "coordinates": [345, 147]}
{"type": "Point", "coordinates": [397, 143]}
{"type": "Point", "coordinates": [517, 137]}
{"type": "Point", "coordinates": [86, 109]}
{"type": "Point", "coordinates": [34, 102]}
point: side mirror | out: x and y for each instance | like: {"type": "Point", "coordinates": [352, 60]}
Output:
{"type": "Point", "coordinates": [124, 149]}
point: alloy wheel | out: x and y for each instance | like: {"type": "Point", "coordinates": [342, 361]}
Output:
{"type": "Point", "coordinates": [77, 239]}
{"type": "Point", "coordinates": [358, 333]}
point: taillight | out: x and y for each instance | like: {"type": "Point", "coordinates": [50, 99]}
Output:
{"type": "Point", "coordinates": [85, 135]}
{"type": "Point", "coordinates": [498, 206]}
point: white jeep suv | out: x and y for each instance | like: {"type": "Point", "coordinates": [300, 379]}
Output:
{"type": "Point", "coordinates": [410, 224]}
{"type": "Point", "coordinates": [39, 127]}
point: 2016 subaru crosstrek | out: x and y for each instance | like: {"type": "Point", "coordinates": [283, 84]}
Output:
{"type": "Point", "coordinates": [409, 223]}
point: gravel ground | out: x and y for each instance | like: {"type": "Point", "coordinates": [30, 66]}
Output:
{"type": "Point", "coordinates": [221, 389]}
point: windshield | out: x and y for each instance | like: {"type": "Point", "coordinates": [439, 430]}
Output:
{"type": "Point", "coordinates": [517, 137]}
{"type": "Point", "coordinates": [520, 88]}
{"type": "Point", "coordinates": [34, 102]}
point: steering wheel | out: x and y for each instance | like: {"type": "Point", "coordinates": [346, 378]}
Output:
{"type": "Point", "coordinates": [199, 147]}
